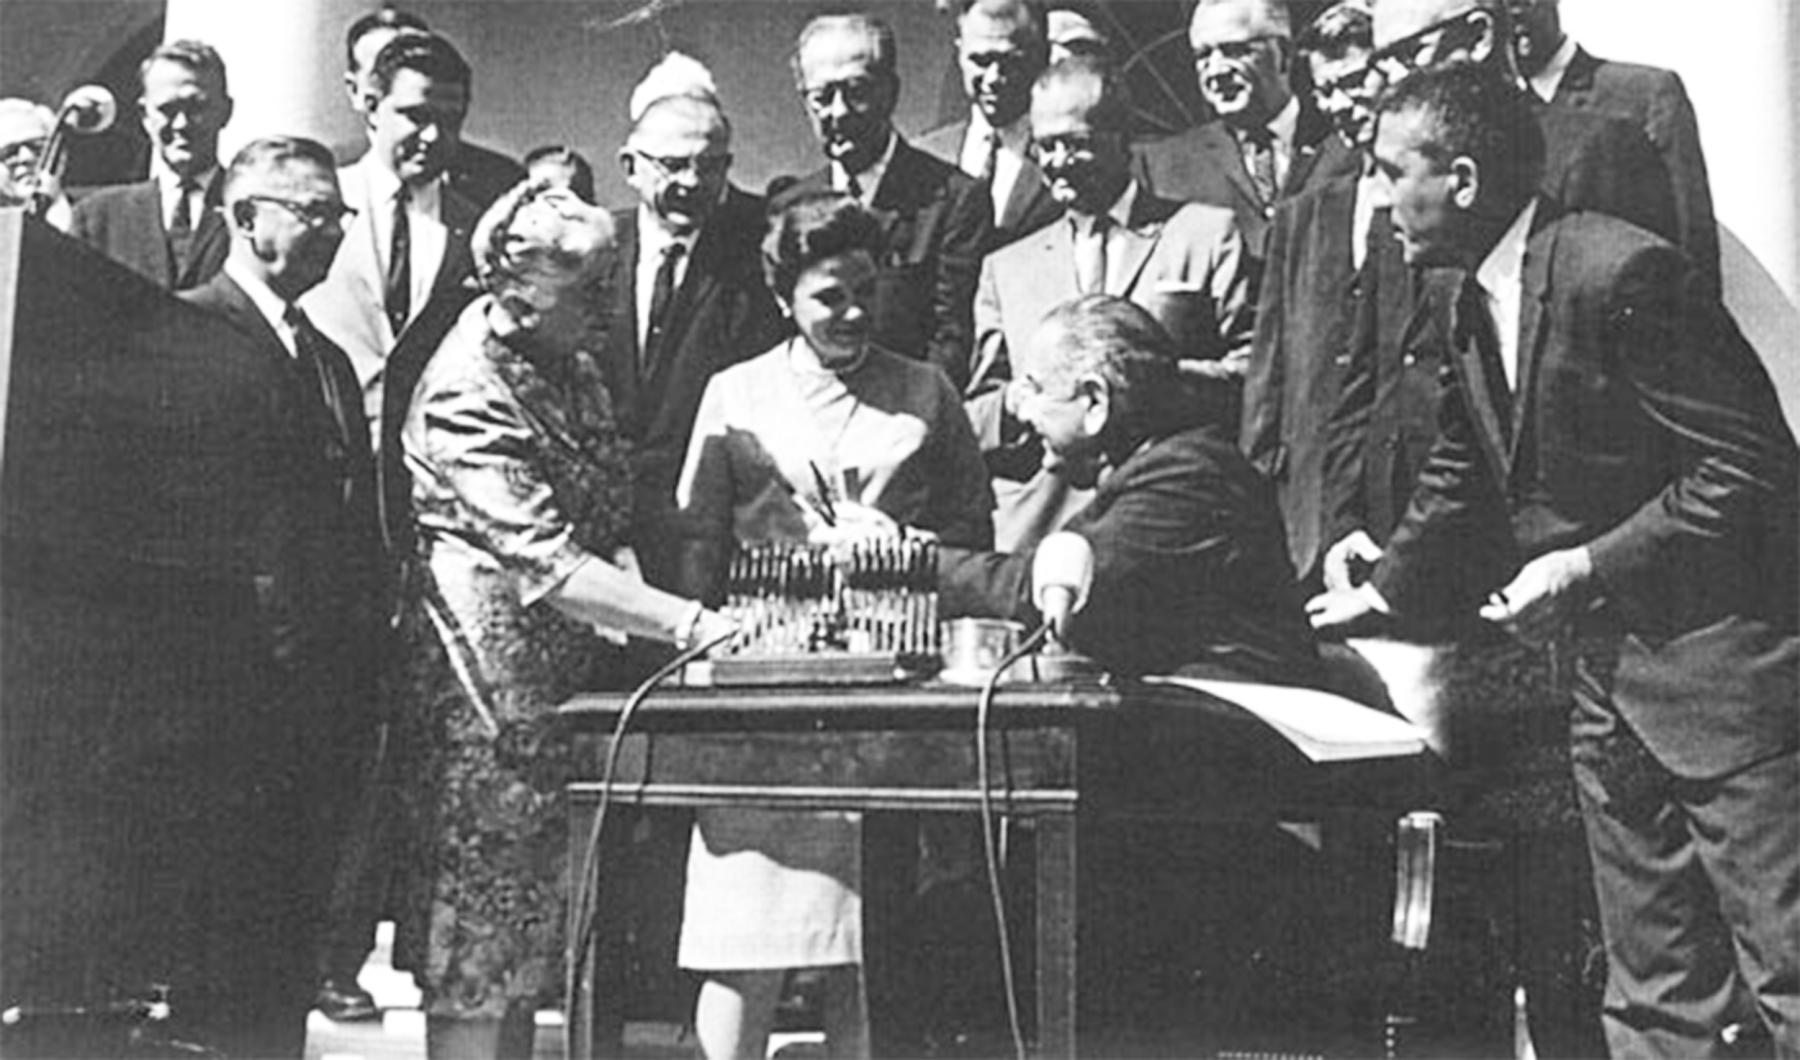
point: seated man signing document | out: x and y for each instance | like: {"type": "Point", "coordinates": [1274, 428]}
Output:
{"type": "Point", "coordinates": [1190, 567]}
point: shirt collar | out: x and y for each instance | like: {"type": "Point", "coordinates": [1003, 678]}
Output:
{"type": "Point", "coordinates": [1119, 213]}
{"type": "Point", "coordinates": [654, 235]}
{"type": "Point", "coordinates": [1503, 270]}
{"type": "Point", "coordinates": [870, 178]}
{"type": "Point", "coordinates": [1285, 122]}
{"type": "Point", "coordinates": [383, 185]}
{"type": "Point", "coordinates": [1546, 81]}
{"type": "Point", "coordinates": [1014, 137]}
{"type": "Point", "coordinates": [267, 302]}
{"type": "Point", "coordinates": [169, 181]}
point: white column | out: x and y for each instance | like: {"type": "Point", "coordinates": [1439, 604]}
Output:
{"type": "Point", "coordinates": [284, 60]}
{"type": "Point", "coordinates": [1735, 57]}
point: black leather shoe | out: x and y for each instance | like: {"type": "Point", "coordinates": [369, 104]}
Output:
{"type": "Point", "coordinates": [342, 1001]}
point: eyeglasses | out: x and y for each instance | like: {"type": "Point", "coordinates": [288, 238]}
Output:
{"type": "Point", "coordinates": [672, 166]}
{"type": "Point", "coordinates": [1234, 51]}
{"type": "Point", "coordinates": [1351, 83]}
{"type": "Point", "coordinates": [1070, 145]}
{"type": "Point", "coordinates": [1408, 55]}
{"type": "Point", "coordinates": [21, 158]}
{"type": "Point", "coordinates": [858, 94]}
{"type": "Point", "coordinates": [310, 214]}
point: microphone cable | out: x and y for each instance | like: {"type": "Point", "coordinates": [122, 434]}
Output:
{"type": "Point", "coordinates": [586, 898]}
{"type": "Point", "coordinates": [989, 841]}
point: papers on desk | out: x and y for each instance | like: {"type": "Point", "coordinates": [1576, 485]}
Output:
{"type": "Point", "coordinates": [1324, 727]}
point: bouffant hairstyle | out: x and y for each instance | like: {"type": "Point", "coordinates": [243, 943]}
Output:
{"type": "Point", "coordinates": [811, 228]}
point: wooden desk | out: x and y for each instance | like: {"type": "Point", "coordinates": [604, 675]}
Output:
{"type": "Point", "coordinates": [1064, 757]}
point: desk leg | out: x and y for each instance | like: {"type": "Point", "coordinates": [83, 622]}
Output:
{"type": "Point", "coordinates": [597, 1027]}
{"type": "Point", "coordinates": [1056, 936]}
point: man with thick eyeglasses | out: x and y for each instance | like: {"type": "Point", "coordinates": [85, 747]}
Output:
{"type": "Point", "coordinates": [938, 219]}
{"type": "Point", "coordinates": [168, 228]}
{"type": "Point", "coordinates": [690, 298]}
{"type": "Point", "coordinates": [1265, 143]}
{"type": "Point", "coordinates": [1001, 47]}
{"type": "Point", "coordinates": [319, 585]}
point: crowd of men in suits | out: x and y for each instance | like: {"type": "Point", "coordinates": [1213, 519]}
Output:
{"type": "Point", "coordinates": [1459, 276]}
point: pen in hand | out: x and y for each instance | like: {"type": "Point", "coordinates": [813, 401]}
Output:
{"type": "Point", "coordinates": [827, 510]}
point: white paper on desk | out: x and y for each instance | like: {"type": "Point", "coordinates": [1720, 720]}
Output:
{"type": "Point", "coordinates": [1324, 727]}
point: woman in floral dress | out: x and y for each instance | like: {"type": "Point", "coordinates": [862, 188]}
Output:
{"type": "Point", "coordinates": [521, 498]}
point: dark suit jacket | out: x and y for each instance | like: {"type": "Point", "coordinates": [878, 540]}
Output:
{"type": "Point", "coordinates": [1204, 164]}
{"type": "Point", "coordinates": [723, 313]}
{"type": "Point", "coordinates": [480, 175]}
{"type": "Point", "coordinates": [1654, 100]}
{"type": "Point", "coordinates": [1188, 571]}
{"type": "Point", "coordinates": [938, 222]}
{"type": "Point", "coordinates": [126, 223]}
{"type": "Point", "coordinates": [1029, 206]}
{"type": "Point", "coordinates": [1317, 317]}
{"type": "Point", "coordinates": [1386, 419]}
{"type": "Point", "coordinates": [333, 583]}
{"type": "Point", "coordinates": [1595, 162]}
{"type": "Point", "coordinates": [1646, 430]}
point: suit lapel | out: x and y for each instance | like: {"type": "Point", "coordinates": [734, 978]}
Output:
{"type": "Point", "coordinates": [145, 218]}
{"type": "Point", "coordinates": [1225, 156]}
{"type": "Point", "coordinates": [1534, 293]}
{"type": "Point", "coordinates": [1485, 406]}
{"type": "Point", "coordinates": [1135, 241]}
{"type": "Point", "coordinates": [1027, 198]}
{"type": "Point", "coordinates": [1576, 89]}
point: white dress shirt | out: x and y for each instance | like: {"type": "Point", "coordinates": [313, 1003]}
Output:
{"type": "Point", "coordinates": [1119, 216]}
{"type": "Point", "coordinates": [654, 239]}
{"type": "Point", "coordinates": [168, 186]}
{"type": "Point", "coordinates": [426, 230]}
{"type": "Point", "coordinates": [1009, 160]}
{"type": "Point", "coordinates": [869, 179]}
{"type": "Point", "coordinates": [267, 302]}
{"type": "Point", "coordinates": [1546, 81]}
{"type": "Point", "coordinates": [1502, 280]}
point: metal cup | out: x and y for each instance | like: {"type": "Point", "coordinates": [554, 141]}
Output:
{"type": "Point", "coordinates": [973, 647]}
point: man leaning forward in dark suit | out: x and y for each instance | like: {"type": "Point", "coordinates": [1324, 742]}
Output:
{"type": "Point", "coordinates": [938, 220]}
{"type": "Point", "coordinates": [691, 299]}
{"type": "Point", "coordinates": [1001, 47]}
{"type": "Point", "coordinates": [168, 228]}
{"type": "Point", "coordinates": [286, 220]}
{"type": "Point", "coordinates": [1266, 143]}
{"type": "Point", "coordinates": [1604, 407]}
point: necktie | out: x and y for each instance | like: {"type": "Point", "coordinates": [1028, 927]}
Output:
{"type": "Point", "coordinates": [1259, 161]}
{"type": "Point", "coordinates": [397, 291]}
{"type": "Point", "coordinates": [662, 292]}
{"type": "Point", "coordinates": [853, 186]}
{"type": "Point", "coordinates": [181, 226]}
{"type": "Point", "coordinates": [1090, 253]}
{"type": "Point", "coordinates": [1475, 331]}
{"type": "Point", "coordinates": [315, 380]}
{"type": "Point", "coordinates": [989, 156]}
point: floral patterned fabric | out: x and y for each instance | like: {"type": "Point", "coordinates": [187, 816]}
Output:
{"type": "Point", "coordinates": [518, 476]}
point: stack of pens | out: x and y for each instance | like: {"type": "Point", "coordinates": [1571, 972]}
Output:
{"type": "Point", "coordinates": [890, 596]}
{"type": "Point", "coordinates": [796, 599]}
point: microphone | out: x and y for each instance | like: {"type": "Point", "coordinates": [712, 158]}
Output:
{"type": "Point", "coordinates": [1062, 572]}
{"type": "Point", "coordinates": [87, 110]}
